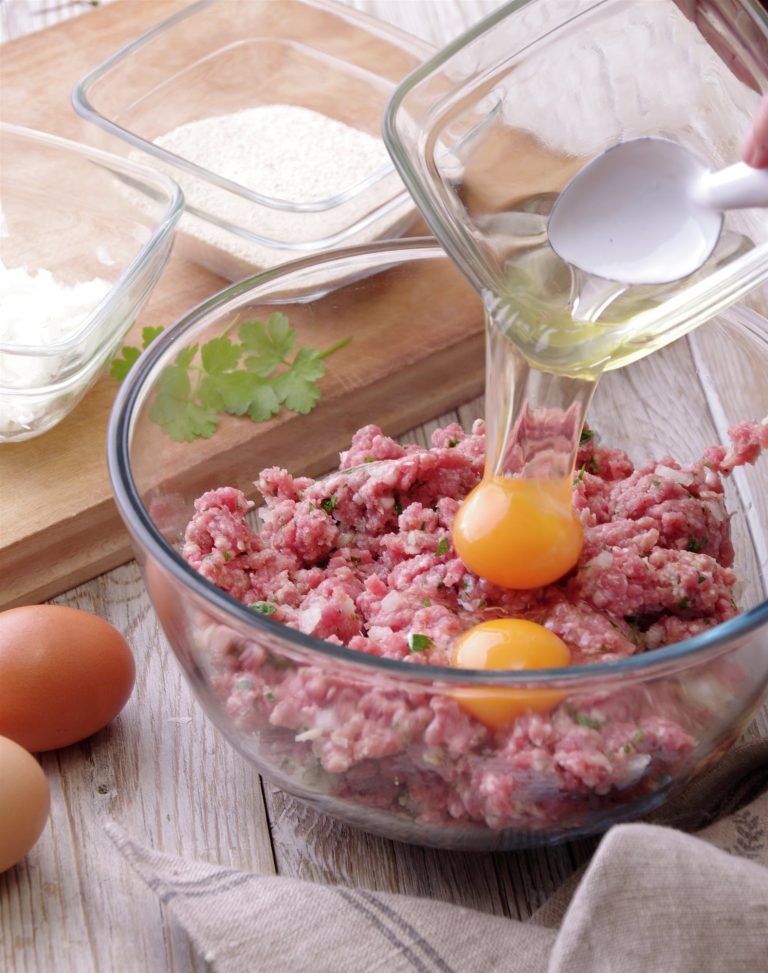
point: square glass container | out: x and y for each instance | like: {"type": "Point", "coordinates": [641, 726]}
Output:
{"type": "Point", "coordinates": [488, 132]}
{"type": "Point", "coordinates": [85, 218]}
{"type": "Point", "coordinates": [218, 58]}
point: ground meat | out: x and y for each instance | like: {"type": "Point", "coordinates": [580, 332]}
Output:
{"type": "Point", "coordinates": [364, 558]}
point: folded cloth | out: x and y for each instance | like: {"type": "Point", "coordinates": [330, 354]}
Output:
{"type": "Point", "coordinates": [653, 898]}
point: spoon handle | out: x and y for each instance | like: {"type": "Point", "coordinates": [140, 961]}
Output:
{"type": "Point", "coordinates": [737, 187]}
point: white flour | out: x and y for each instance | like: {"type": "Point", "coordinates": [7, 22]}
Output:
{"type": "Point", "coordinates": [290, 154]}
{"type": "Point", "coordinates": [37, 310]}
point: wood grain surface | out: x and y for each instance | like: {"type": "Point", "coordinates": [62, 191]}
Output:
{"type": "Point", "coordinates": [164, 773]}
{"type": "Point", "coordinates": [37, 73]}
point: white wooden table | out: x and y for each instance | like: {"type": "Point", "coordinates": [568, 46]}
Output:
{"type": "Point", "coordinates": [164, 773]}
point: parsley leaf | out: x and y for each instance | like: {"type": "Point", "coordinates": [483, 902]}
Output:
{"type": "Point", "coordinates": [121, 365]}
{"type": "Point", "coordinates": [264, 402]}
{"type": "Point", "coordinates": [263, 607]}
{"type": "Point", "coordinates": [297, 388]}
{"type": "Point", "coordinates": [280, 662]}
{"type": "Point", "coordinates": [183, 421]}
{"type": "Point", "coordinates": [269, 345]}
{"type": "Point", "coordinates": [329, 504]}
{"type": "Point", "coordinates": [586, 435]}
{"type": "Point", "coordinates": [186, 356]}
{"type": "Point", "coordinates": [174, 384]}
{"type": "Point", "coordinates": [583, 720]}
{"type": "Point", "coordinates": [442, 547]}
{"type": "Point", "coordinates": [418, 642]}
{"type": "Point", "coordinates": [148, 335]}
{"type": "Point", "coordinates": [239, 393]}
{"type": "Point", "coordinates": [173, 408]}
{"type": "Point", "coordinates": [252, 376]}
{"type": "Point", "coordinates": [126, 358]}
{"type": "Point", "coordinates": [219, 355]}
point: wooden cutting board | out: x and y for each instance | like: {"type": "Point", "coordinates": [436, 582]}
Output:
{"type": "Point", "coordinates": [58, 522]}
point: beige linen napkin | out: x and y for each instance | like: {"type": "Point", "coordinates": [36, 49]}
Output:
{"type": "Point", "coordinates": [652, 899]}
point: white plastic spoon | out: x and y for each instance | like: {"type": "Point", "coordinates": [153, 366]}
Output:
{"type": "Point", "coordinates": [648, 211]}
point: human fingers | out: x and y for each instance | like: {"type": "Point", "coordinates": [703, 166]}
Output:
{"type": "Point", "coordinates": [754, 151]}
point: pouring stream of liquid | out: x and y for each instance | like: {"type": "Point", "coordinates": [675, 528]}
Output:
{"type": "Point", "coordinates": [517, 528]}
{"type": "Point", "coordinates": [533, 418]}
{"type": "Point", "coordinates": [552, 330]}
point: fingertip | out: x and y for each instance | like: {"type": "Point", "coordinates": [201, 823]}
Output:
{"type": "Point", "coordinates": [755, 154]}
{"type": "Point", "coordinates": [749, 149]}
{"type": "Point", "coordinates": [754, 150]}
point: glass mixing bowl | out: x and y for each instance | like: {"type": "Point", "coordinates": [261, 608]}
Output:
{"type": "Point", "coordinates": [380, 743]}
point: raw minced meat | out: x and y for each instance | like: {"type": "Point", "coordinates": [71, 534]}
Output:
{"type": "Point", "coordinates": [364, 558]}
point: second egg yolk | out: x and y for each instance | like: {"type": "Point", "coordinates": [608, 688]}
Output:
{"type": "Point", "coordinates": [518, 533]}
{"type": "Point", "coordinates": [508, 643]}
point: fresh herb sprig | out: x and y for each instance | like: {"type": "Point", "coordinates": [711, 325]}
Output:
{"type": "Point", "coordinates": [126, 358]}
{"type": "Point", "coordinates": [418, 642]}
{"type": "Point", "coordinates": [254, 376]}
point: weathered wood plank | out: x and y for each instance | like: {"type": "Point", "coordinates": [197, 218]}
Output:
{"type": "Point", "coordinates": [166, 775]}
{"type": "Point", "coordinates": [163, 773]}
{"type": "Point", "coordinates": [38, 73]}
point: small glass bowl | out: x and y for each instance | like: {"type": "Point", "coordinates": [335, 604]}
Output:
{"type": "Point", "coordinates": [381, 743]}
{"type": "Point", "coordinates": [215, 58]}
{"type": "Point", "coordinates": [534, 92]}
{"type": "Point", "coordinates": [81, 215]}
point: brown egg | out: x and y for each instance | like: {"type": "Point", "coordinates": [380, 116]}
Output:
{"type": "Point", "coordinates": [24, 802]}
{"type": "Point", "coordinates": [64, 674]}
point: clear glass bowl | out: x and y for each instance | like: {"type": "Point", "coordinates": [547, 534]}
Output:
{"type": "Point", "coordinates": [381, 743]}
{"type": "Point", "coordinates": [216, 57]}
{"type": "Point", "coordinates": [491, 129]}
{"type": "Point", "coordinates": [81, 215]}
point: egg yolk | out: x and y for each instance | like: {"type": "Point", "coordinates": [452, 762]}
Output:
{"type": "Point", "coordinates": [508, 643]}
{"type": "Point", "coordinates": [518, 533]}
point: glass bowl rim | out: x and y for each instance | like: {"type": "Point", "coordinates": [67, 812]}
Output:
{"type": "Point", "coordinates": [81, 102]}
{"type": "Point", "coordinates": [165, 226]}
{"type": "Point", "coordinates": [644, 665]}
{"type": "Point", "coordinates": [305, 247]}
